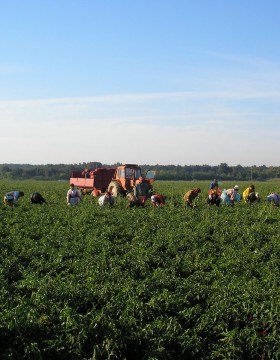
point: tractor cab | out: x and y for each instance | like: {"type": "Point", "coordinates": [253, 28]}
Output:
{"type": "Point", "coordinates": [131, 172]}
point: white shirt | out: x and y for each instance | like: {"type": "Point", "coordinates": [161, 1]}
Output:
{"type": "Point", "coordinates": [105, 200]}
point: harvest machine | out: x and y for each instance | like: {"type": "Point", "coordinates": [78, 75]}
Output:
{"type": "Point", "coordinates": [118, 181]}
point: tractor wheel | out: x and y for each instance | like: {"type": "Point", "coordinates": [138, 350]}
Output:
{"type": "Point", "coordinates": [115, 188]}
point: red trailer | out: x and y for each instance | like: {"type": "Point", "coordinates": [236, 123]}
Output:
{"type": "Point", "coordinates": [96, 181]}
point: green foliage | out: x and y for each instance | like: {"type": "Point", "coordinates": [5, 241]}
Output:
{"type": "Point", "coordinates": [164, 172]}
{"type": "Point", "coordinates": [87, 282]}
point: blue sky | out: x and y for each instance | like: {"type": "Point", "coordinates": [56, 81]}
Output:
{"type": "Point", "coordinates": [149, 82]}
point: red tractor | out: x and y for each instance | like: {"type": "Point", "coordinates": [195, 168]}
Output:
{"type": "Point", "coordinates": [119, 181]}
{"type": "Point", "coordinates": [126, 176]}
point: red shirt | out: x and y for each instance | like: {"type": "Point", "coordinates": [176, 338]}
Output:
{"type": "Point", "coordinates": [158, 199]}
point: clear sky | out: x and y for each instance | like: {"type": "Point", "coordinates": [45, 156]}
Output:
{"type": "Point", "coordinates": [150, 82]}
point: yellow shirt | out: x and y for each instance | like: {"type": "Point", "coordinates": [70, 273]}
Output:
{"type": "Point", "coordinates": [246, 192]}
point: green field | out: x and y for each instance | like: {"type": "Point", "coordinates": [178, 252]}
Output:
{"type": "Point", "coordinates": [155, 283]}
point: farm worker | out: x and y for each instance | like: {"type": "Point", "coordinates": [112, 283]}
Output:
{"type": "Point", "coordinates": [37, 198]}
{"type": "Point", "coordinates": [250, 196]}
{"type": "Point", "coordinates": [253, 197]}
{"type": "Point", "coordinates": [141, 190]}
{"type": "Point", "coordinates": [158, 200]}
{"type": "Point", "coordinates": [273, 198]}
{"type": "Point", "coordinates": [214, 185]}
{"type": "Point", "coordinates": [133, 201]}
{"type": "Point", "coordinates": [190, 196]}
{"type": "Point", "coordinates": [248, 191]}
{"type": "Point", "coordinates": [231, 195]}
{"type": "Point", "coordinates": [73, 196]}
{"type": "Point", "coordinates": [214, 197]}
{"type": "Point", "coordinates": [12, 197]}
{"type": "Point", "coordinates": [106, 199]}
{"type": "Point", "coordinates": [86, 173]}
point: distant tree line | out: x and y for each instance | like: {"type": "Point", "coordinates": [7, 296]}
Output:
{"type": "Point", "coordinates": [164, 172]}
